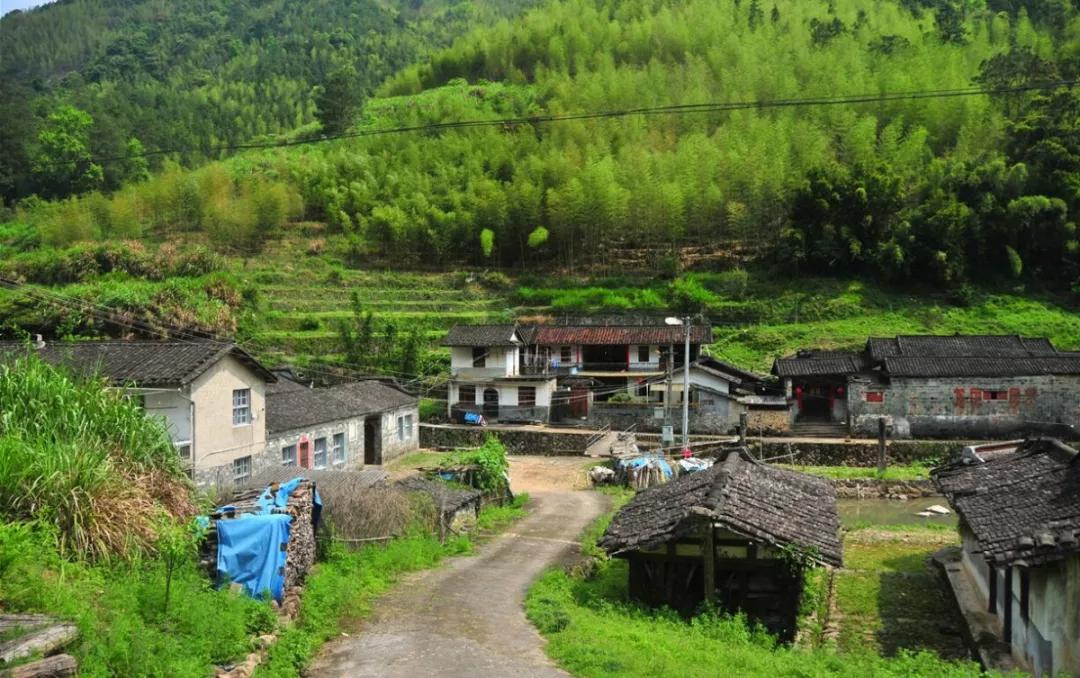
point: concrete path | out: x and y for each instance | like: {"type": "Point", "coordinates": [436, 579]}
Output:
{"type": "Point", "coordinates": [465, 618]}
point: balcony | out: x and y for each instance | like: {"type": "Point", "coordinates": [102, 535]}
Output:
{"type": "Point", "coordinates": [478, 372]}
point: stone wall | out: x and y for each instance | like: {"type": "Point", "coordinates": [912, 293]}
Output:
{"type": "Point", "coordinates": [769, 421]}
{"type": "Point", "coordinates": [957, 407]}
{"type": "Point", "coordinates": [842, 453]}
{"type": "Point", "coordinates": [872, 488]}
{"type": "Point", "coordinates": [621, 416]}
{"type": "Point", "coordinates": [392, 447]}
{"type": "Point", "coordinates": [516, 441]}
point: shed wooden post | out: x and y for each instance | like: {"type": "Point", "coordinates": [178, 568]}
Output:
{"type": "Point", "coordinates": [709, 552]}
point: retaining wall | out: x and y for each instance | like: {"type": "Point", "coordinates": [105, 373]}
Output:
{"type": "Point", "coordinates": [516, 441]}
{"type": "Point", "coordinates": [843, 453]}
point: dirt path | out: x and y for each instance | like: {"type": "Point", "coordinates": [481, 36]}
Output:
{"type": "Point", "coordinates": [465, 618]}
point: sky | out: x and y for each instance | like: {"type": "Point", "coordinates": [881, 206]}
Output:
{"type": "Point", "coordinates": [9, 5]}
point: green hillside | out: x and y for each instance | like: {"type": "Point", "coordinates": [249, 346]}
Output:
{"type": "Point", "coordinates": [192, 76]}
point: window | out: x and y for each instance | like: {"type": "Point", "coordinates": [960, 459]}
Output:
{"type": "Point", "coordinates": [643, 354]}
{"type": "Point", "coordinates": [995, 395]}
{"type": "Point", "coordinates": [526, 396]}
{"type": "Point", "coordinates": [184, 450]}
{"type": "Point", "coordinates": [241, 469]}
{"type": "Point", "coordinates": [479, 356]}
{"type": "Point", "coordinates": [339, 448]}
{"type": "Point", "coordinates": [320, 453]}
{"type": "Point", "coordinates": [643, 389]}
{"type": "Point", "coordinates": [467, 394]}
{"type": "Point", "coordinates": [241, 407]}
{"type": "Point", "coordinates": [875, 396]}
{"type": "Point", "coordinates": [404, 427]}
{"type": "Point", "coordinates": [566, 354]}
{"type": "Point", "coordinates": [288, 455]}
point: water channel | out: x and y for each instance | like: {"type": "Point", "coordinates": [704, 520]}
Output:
{"type": "Point", "coordinates": [860, 512]}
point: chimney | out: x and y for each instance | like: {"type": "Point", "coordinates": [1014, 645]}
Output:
{"type": "Point", "coordinates": [39, 342]}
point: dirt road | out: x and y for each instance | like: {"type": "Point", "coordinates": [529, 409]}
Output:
{"type": "Point", "coordinates": [465, 619]}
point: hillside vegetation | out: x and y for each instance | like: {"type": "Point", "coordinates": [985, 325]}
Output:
{"type": "Point", "coordinates": [107, 78]}
{"type": "Point", "coordinates": [943, 189]}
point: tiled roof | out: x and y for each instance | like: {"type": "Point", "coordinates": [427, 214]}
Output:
{"type": "Point", "coordinates": [327, 480]}
{"type": "Point", "coordinates": [1061, 363]}
{"type": "Point", "coordinates": [762, 502]}
{"type": "Point", "coordinates": [971, 346]}
{"type": "Point", "coordinates": [447, 498]}
{"type": "Point", "coordinates": [481, 335]}
{"type": "Point", "coordinates": [145, 363]}
{"type": "Point", "coordinates": [1021, 507]}
{"type": "Point", "coordinates": [297, 408]}
{"type": "Point", "coordinates": [565, 335]}
{"type": "Point", "coordinates": [811, 363]}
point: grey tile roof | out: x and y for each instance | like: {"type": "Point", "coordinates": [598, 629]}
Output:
{"type": "Point", "coordinates": [482, 335]}
{"type": "Point", "coordinates": [144, 363]}
{"type": "Point", "coordinates": [1061, 363]}
{"type": "Point", "coordinates": [811, 363]}
{"type": "Point", "coordinates": [762, 502]}
{"type": "Point", "coordinates": [950, 346]}
{"type": "Point", "coordinates": [292, 409]}
{"type": "Point", "coordinates": [326, 479]}
{"type": "Point", "coordinates": [1023, 506]}
{"type": "Point", "coordinates": [448, 499]}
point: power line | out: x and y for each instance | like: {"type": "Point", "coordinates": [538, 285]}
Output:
{"type": "Point", "coordinates": [672, 109]}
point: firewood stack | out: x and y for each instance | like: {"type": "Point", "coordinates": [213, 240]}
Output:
{"type": "Point", "coordinates": [32, 634]}
{"type": "Point", "coordinates": [300, 553]}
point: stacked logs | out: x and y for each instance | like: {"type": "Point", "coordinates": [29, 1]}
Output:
{"type": "Point", "coordinates": [36, 634]}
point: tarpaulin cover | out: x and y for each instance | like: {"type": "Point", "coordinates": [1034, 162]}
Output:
{"type": "Point", "coordinates": [650, 461]}
{"type": "Point", "coordinates": [250, 552]}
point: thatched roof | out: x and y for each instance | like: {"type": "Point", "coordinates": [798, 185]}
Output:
{"type": "Point", "coordinates": [762, 502]}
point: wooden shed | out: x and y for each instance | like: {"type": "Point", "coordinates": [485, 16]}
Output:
{"type": "Point", "coordinates": [728, 535]}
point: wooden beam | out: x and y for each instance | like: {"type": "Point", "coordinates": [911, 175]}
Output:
{"type": "Point", "coordinates": [43, 640]}
{"type": "Point", "coordinates": [57, 666]}
{"type": "Point", "coordinates": [710, 565]}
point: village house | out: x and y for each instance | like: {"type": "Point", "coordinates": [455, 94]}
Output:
{"type": "Point", "coordinates": [338, 427]}
{"type": "Point", "coordinates": [722, 534]}
{"type": "Point", "coordinates": [211, 394]}
{"type": "Point", "coordinates": [935, 386]}
{"type": "Point", "coordinates": [1019, 512]}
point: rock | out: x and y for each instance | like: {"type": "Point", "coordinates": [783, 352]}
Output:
{"type": "Point", "coordinates": [924, 514]}
{"type": "Point", "coordinates": [939, 509]}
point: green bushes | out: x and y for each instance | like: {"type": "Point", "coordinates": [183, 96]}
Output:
{"type": "Point", "coordinates": [86, 262]}
{"type": "Point", "coordinates": [490, 461]}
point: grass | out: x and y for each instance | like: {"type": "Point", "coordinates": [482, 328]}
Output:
{"type": "Point", "coordinates": [418, 459]}
{"type": "Point", "coordinates": [888, 598]}
{"type": "Point", "coordinates": [494, 517]}
{"type": "Point", "coordinates": [899, 473]}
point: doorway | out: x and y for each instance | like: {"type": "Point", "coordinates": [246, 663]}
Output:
{"type": "Point", "coordinates": [491, 404]}
{"type": "Point", "coordinates": [372, 441]}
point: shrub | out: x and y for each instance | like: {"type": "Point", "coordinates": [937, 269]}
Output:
{"type": "Point", "coordinates": [85, 460]}
{"type": "Point", "coordinates": [492, 466]}
{"type": "Point", "coordinates": [368, 513]}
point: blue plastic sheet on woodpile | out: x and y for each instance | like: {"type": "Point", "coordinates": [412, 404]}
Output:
{"type": "Point", "coordinates": [251, 552]}
{"type": "Point", "coordinates": [252, 548]}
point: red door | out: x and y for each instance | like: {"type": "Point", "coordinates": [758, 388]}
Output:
{"type": "Point", "coordinates": [579, 401]}
{"type": "Point", "coordinates": [305, 454]}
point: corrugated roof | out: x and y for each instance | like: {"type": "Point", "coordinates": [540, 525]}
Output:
{"type": "Point", "coordinates": [298, 408]}
{"type": "Point", "coordinates": [762, 502]}
{"type": "Point", "coordinates": [971, 345]}
{"type": "Point", "coordinates": [482, 335]}
{"type": "Point", "coordinates": [1021, 507]}
{"type": "Point", "coordinates": [1061, 363]}
{"type": "Point", "coordinates": [144, 363]}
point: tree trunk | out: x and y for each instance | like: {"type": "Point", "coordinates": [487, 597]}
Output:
{"type": "Point", "coordinates": [59, 666]}
{"type": "Point", "coordinates": [43, 640]}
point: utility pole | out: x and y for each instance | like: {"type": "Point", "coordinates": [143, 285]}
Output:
{"type": "Point", "coordinates": [667, 397]}
{"type": "Point", "coordinates": [686, 387]}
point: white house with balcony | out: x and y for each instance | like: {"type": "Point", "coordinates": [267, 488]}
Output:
{"type": "Point", "coordinates": [488, 375]}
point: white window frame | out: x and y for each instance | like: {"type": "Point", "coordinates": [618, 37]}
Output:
{"type": "Point", "coordinates": [315, 453]}
{"type": "Point", "coordinates": [293, 449]}
{"type": "Point", "coordinates": [404, 427]}
{"type": "Point", "coordinates": [241, 407]}
{"type": "Point", "coordinates": [337, 455]}
{"type": "Point", "coordinates": [183, 449]}
{"type": "Point", "coordinates": [241, 469]}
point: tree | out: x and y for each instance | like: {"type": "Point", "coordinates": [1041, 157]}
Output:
{"type": "Point", "coordinates": [62, 162]}
{"type": "Point", "coordinates": [337, 99]}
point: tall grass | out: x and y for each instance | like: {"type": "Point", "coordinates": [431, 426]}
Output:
{"type": "Point", "coordinates": [85, 460]}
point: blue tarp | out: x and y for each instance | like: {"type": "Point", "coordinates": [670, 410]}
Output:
{"type": "Point", "coordinates": [648, 460]}
{"type": "Point", "coordinates": [250, 552]}
{"type": "Point", "coordinates": [250, 547]}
